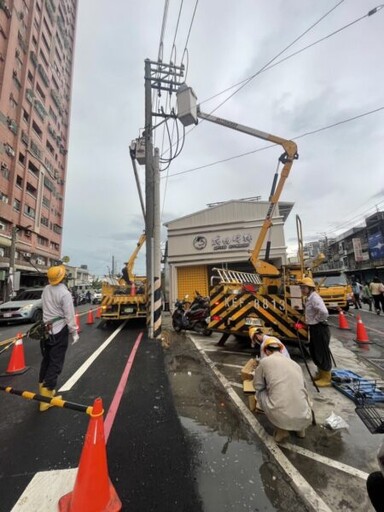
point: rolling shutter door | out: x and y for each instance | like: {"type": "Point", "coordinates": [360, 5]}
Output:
{"type": "Point", "coordinates": [191, 279]}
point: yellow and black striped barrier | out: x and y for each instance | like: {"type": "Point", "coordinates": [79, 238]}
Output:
{"type": "Point", "coordinates": [55, 401]}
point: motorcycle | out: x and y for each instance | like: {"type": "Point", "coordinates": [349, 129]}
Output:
{"type": "Point", "coordinates": [194, 318]}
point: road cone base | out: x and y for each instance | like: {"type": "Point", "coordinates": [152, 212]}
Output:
{"type": "Point", "coordinates": [17, 372]}
{"type": "Point", "coordinates": [114, 504]}
{"type": "Point", "coordinates": [364, 342]}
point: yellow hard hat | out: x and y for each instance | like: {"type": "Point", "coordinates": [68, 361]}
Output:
{"type": "Point", "coordinates": [273, 342]}
{"type": "Point", "coordinates": [307, 281]}
{"type": "Point", "coordinates": [254, 330]}
{"type": "Point", "coordinates": [56, 274]}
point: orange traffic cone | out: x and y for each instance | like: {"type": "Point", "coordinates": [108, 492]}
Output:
{"type": "Point", "coordinates": [133, 289]}
{"type": "Point", "coordinates": [90, 318]}
{"type": "Point", "coordinates": [361, 333]}
{"type": "Point", "coordinates": [98, 313]}
{"type": "Point", "coordinates": [343, 322]}
{"type": "Point", "coordinates": [16, 365]}
{"type": "Point", "coordinates": [78, 324]}
{"type": "Point", "coordinates": [93, 489]}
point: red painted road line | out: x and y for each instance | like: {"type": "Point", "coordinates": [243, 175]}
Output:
{"type": "Point", "coordinates": [120, 390]}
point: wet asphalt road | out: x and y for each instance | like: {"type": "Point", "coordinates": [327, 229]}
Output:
{"type": "Point", "coordinates": [177, 443]}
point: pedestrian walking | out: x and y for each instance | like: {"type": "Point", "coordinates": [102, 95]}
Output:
{"type": "Point", "coordinates": [375, 483]}
{"type": "Point", "coordinates": [366, 295]}
{"type": "Point", "coordinates": [316, 316]}
{"type": "Point", "coordinates": [377, 291]}
{"type": "Point", "coordinates": [281, 392]}
{"type": "Point", "coordinates": [356, 290]}
{"type": "Point", "coordinates": [59, 319]}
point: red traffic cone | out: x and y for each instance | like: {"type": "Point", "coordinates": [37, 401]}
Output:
{"type": "Point", "coordinates": [343, 322]}
{"type": "Point", "coordinates": [98, 313]}
{"type": "Point", "coordinates": [78, 324]}
{"type": "Point", "coordinates": [16, 365]}
{"type": "Point", "coordinates": [90, 318]}
{"type": "Point", "coordinates": [133, 289]}
{"type": "Point", "coordinates": [93, 489]}
{"type": "Point", "coordinates": [361, 333]}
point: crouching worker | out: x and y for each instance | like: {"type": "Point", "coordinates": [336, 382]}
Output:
{"type": "Point", "coordinates": [281, 392]}
{"type": "Point", "coordinates": [59, 317]}
{"type": "Point", "coordinates": [258, 338]}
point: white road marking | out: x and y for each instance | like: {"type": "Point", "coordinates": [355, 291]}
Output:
{"type": "Point", "coordinates": [302, 487]}
{"type": "Point", "coordinates": [84, 367]}
{"type": "Point", "coordinates": [45, 489]}
{"type": "Point", "coordinates": [228, 365]}
{"type": "Point", "coordinates": [242, 353]}
{"type": "Point", "coordinates": [325, 460]}
{"type": "Point", "coordinates": [236, 384]}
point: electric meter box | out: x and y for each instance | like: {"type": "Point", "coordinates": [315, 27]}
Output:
{"type": "Point", "coordinates": [140, 151]}
{"type": "Point", "coordinates": [186, 105]}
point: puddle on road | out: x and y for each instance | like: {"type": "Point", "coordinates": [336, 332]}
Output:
{"type": "Point", "coordinates": [233, 471]}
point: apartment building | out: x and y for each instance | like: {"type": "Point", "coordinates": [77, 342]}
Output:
{"type": "Point", "coordinates": [37, 39]}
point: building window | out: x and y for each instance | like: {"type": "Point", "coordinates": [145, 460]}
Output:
{"type": "Point", "coordinates": [4, 170]}
{"type": "Point", "coordinates": [40, 91]}
{"type": "Point", "coordinates": [21, 158]}
{"type": "Point", "coordinates": [3, 197]}
{"type": "Point", "coordinates": [34, 41]}
{"type": "Point", "coordinates": [41, 240]}
{"type": "Point", "coordinates": [33, 169]}
{"type": "Point", "coordinates": [25, 115]}
{"type": "Point", "coordinates": [30, 76]}
{"type": "Point", "coordinates": [19, 181]}
{"type": "Point", "coordinates": [36, 128]}
{"type": "Point", "coordinates": [46, 202]}
{"type": "Point", "coordinates": [12, 102]}
{"type": "Point", "coordinates": [50, 148]}
{"type": "Point", "coordinates": [29, 211]}
{"type": "Point", "coordinates": [44, 221]}
{"type": "Point", "coordinates": [31, 190]}
{"type": "Point", "coordinates": [16, 205]}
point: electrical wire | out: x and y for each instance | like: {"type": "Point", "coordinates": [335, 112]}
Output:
{"type": "Point", "coordinates": [306, 134]}
{"type": "Point", "coordinates": [372, 11]}
{"type": "Point", "coordinates": [244, 82]}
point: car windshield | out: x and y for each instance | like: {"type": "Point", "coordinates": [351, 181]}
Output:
{"type": "Point", "coordinates": [328, 281]}
{"type": "Point", "coordinates": [29, 295]}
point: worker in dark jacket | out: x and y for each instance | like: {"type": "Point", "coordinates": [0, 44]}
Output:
{"type": "Point", "coordinates": [59, 317]}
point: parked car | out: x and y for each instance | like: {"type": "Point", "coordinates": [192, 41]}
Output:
{"type": "Point", "coordinates": [25, 307]}
{"type": "Point", "coordinates": [96, 299]}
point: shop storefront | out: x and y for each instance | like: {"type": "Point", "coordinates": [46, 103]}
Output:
{"type": "Point", "coordinates": [220, 236]}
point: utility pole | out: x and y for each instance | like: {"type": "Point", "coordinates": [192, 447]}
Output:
{"type": "Point", "coordinates": [160, 77]}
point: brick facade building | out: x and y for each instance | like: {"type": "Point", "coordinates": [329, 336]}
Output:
{"type": "Point", "coordinates": [37, 40]}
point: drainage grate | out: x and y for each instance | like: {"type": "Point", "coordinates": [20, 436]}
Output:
{"type": "Point", "coordinates": [379, 363]}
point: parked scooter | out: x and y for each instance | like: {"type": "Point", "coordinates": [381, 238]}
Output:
{"type": "Point", "coordinates": [195, 318]}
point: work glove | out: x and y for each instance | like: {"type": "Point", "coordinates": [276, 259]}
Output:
{"type": "Point", "coordinates": [75, 338]}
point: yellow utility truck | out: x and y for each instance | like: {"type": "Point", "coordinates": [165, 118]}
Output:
{"type": "Point", "coordinates": [126, 297]}
{"type": "Point", "coordinates": [334, 288]}
{"type": "Point", "coordinates": [270, 297]}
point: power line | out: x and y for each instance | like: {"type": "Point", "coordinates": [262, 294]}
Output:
{"type": "Point", "coordinates": [373, 11]}
{"type": "Point", "coordinates": [306, 134]}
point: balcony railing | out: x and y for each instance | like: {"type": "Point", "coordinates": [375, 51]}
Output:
{"type": "Point", "coordinates": [33, 57]}
{"type": "Point", "coordinates": [39, 107]}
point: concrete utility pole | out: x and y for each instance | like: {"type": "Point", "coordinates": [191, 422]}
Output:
{"type": "Point", "coordinates": [161, 77]}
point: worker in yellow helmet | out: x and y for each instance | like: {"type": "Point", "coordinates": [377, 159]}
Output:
{"type": "Point", "coordinates": [281, 392]}
{"type": "Point", "coordinates": [59, 315]}
{"type": "Point", "coordinates": [316, 316]}
{"type": "Point", "coordinates": [259, 338]}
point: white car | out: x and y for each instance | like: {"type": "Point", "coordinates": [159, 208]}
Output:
{"type": "Point", "coordinates": [25, 307]}
{"type": "Point", "coordinates": [96, 299]}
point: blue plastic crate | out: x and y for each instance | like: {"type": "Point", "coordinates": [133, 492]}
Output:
{"type": "Point", "coordinates": [357, 388]}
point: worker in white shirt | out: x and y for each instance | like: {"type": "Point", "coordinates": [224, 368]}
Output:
{"type": "Point", "coordinates": [316, 316]}
{"type": "Point", "coordinates": [59, 317]}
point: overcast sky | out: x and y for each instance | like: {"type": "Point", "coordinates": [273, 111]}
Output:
{"type": "Point", "coordinates": [339, 177]}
